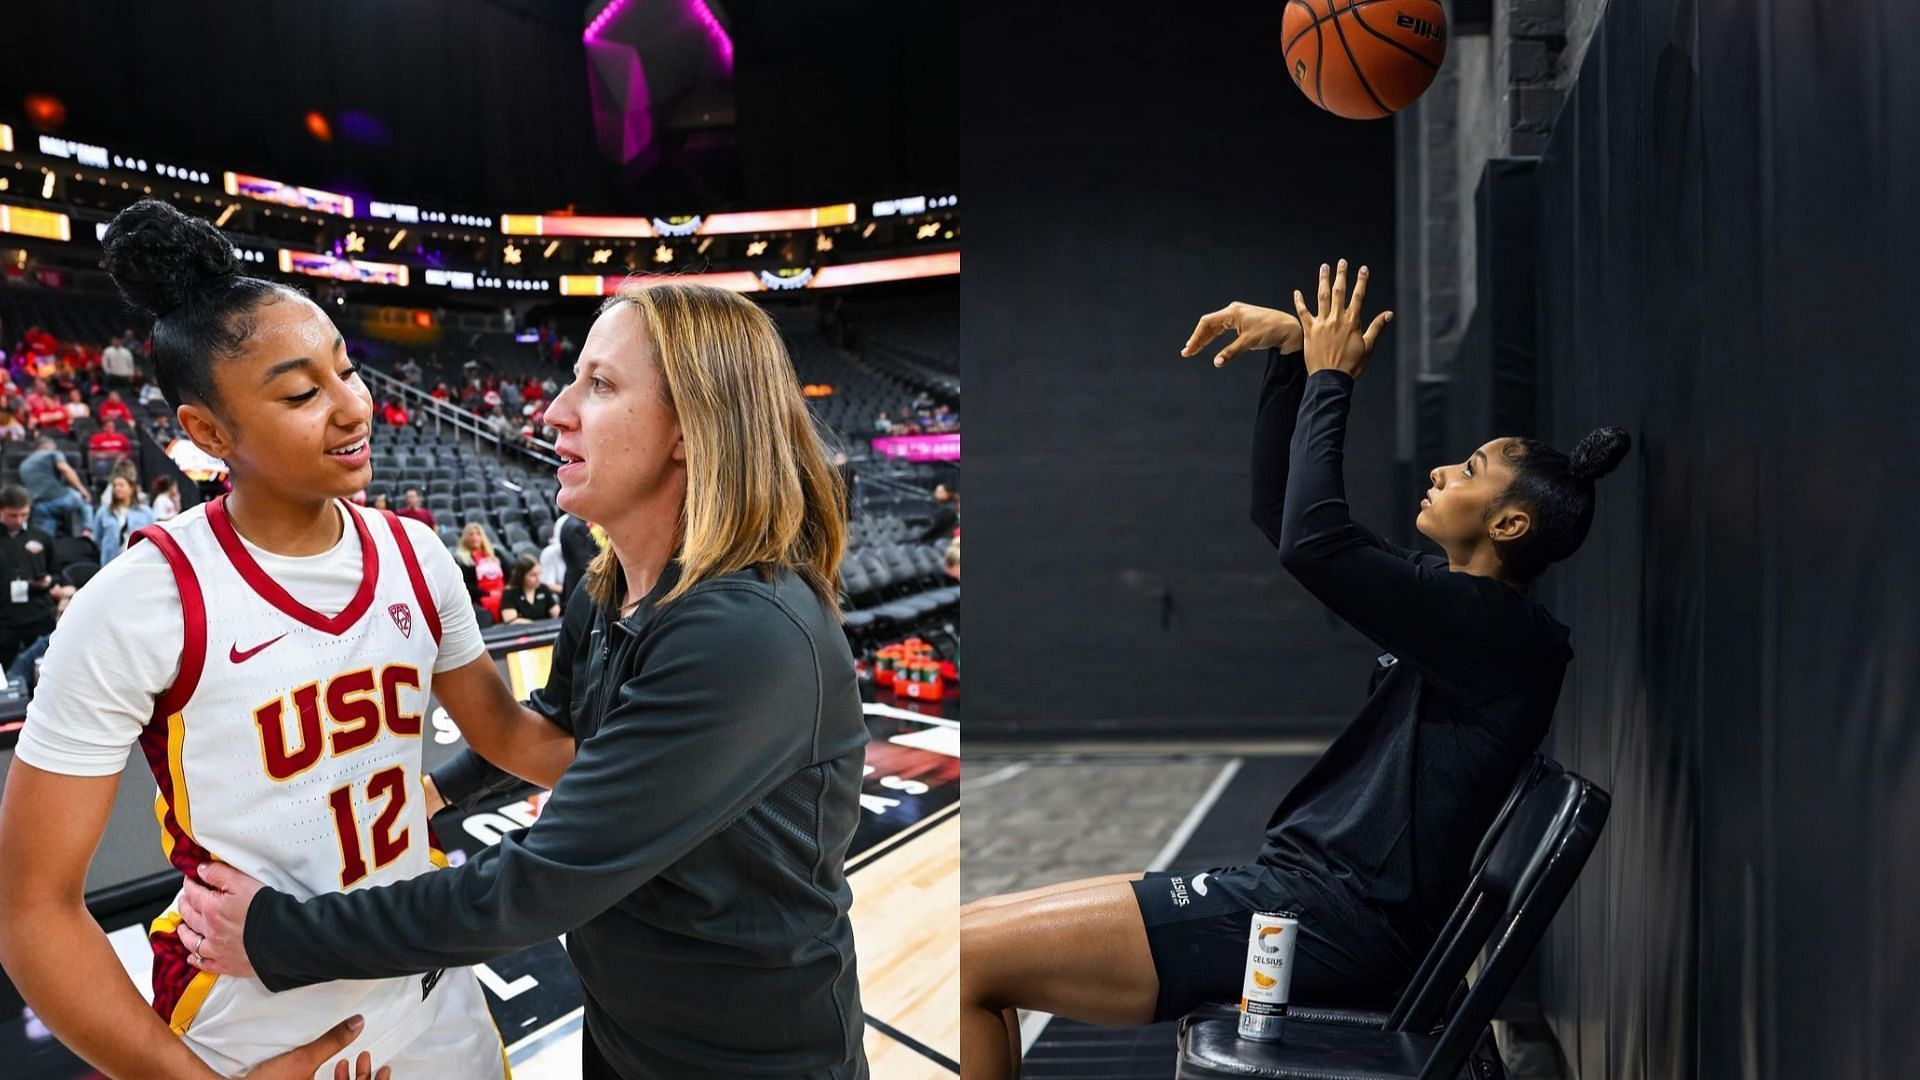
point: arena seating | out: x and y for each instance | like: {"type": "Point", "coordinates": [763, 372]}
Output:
{"type": "Point", "coordinates": [895, 582]}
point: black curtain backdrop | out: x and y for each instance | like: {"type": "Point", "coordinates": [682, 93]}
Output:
{"type": "Point", "coordinates": [1128, 169]}
{"type": "Point", "coordinates": [1727, 268]}
{"type": "Point", "coordinates": [486, 100]}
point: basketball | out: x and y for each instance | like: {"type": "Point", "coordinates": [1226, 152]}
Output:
{"type": "Point", "coordinates": [1364, 59]}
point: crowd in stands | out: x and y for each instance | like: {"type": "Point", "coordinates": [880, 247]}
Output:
{"type": "Point", "coordinates": [924, 417]}
{"type": "Point", "coordinates": [72, 414]}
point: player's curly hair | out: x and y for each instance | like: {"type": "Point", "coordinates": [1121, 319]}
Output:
{"type": "Point", "coordinates": [1558, 490]}
{"type": "Point", "coordinates": [181, 270]}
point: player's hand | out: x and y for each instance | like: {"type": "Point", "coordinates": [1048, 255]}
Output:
{"type": "Point", "coordinates": [1257, 327]}
{"type": "Point", "coordinates": [213, 919]}
{"type": "Point", "coordinates": [435, 802]}
{"type": "Point", "coordinates": [1333, 335]}
{"type": "Point", "coordinates": [300, 1063]}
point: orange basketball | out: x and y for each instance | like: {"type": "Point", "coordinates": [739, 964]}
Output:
{"type": "Point", "coordinates": [1364, 59]}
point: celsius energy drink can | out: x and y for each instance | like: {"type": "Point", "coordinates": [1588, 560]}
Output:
{"type": "Point", "coordinates": [1263, 993]}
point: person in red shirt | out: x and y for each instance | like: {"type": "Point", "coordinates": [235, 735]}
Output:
{"type": "Point", "coordinates": [394, 413]}
{"type": "Point", "coordinates": [410, 508]}
{"type": "Point", "coordinates": [37, 394]}
{"type": "Point", "coordinates": [109, 441]}
{"type": "Point", "coordinates": [49, 415]}
{"type": "Point", "coordinates": [114, 409]}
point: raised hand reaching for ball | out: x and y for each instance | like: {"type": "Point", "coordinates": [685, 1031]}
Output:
{"type": "Point", "coordinates": [1334, 338]}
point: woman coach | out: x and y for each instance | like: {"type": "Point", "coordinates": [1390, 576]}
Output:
{"type": "Point", "coordinates": [701, 731]}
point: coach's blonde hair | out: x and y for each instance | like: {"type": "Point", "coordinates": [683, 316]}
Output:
{"type": "Point", "coordinates": [760, 490]}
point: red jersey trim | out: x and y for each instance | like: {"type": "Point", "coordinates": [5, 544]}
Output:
{"type": "Point", "coordinates": [193, 609]}
{"type": "Point", "coordinates": [428, 610]}
{"type": "Point", "coordinates": [270, 590]}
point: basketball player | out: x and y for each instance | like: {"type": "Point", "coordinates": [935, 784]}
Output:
{"type": "Point", "coordinates": [270, 653]}
{"type": "Point", "coordinates": [694, 848]}
{"type": "Point", "coordinates": [1372, 848]}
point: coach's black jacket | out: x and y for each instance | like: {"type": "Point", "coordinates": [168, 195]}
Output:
{"type": "Point", "coordinates": [692, 852]}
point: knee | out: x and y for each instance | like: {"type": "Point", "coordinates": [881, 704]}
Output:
{"type": "Point", "coordinates": [981, 982]}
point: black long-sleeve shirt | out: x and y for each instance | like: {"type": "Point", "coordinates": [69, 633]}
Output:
{"type": "Point", "coordinates": [1380, 833]}
{"type": "Point", "coordinates": [693, 852]}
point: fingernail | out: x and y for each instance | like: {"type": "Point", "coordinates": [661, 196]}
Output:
{"type": "Point", "coordinates": [355, 1023]}
{"type": "Point", "coordinates": [1323, 268]}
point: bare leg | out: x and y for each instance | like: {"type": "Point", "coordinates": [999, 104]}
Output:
{"type": "Point", "coordinates": [1077, 950]}
{"type": "Point", "coordinates": [1027, 895]}
{"type": "Point", "coordinates": [1012, 1016]}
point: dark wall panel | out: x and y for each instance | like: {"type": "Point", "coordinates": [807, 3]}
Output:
{"type": "Point", "coordinates": [1128, 169]}
{"type": "Point", "coordinates": [1726, 268]}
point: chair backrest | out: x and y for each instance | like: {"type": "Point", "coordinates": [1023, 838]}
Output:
{"type": "Point", "coordinates": [1526, 877]}
{"type": "Point", "coordinates": [1421, 985]}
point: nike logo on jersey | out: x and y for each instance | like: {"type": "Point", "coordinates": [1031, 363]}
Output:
{"type": "Point", "coordinates": [234, 654]}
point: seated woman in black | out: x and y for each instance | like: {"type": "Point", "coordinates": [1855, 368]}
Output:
{"type": "Point", "coordinates": [526, 597]}
{"type": "Point", "coordinates": [1371, 848]}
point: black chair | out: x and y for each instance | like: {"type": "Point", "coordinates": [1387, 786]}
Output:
{"type": "Point", "coordinates": [1528, 873]}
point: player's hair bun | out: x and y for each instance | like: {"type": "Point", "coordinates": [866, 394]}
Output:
{"type": "Point", "coordinates": [158, 255]}
{"type": "Point", "coordinates": [1598, 453]}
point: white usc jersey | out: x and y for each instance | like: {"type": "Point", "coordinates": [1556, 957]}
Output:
{"type": "Point", "coordinates": [289, 748]}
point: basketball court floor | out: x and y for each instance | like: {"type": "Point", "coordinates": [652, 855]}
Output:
{"type": "Point", "coordinates": [904, 866]}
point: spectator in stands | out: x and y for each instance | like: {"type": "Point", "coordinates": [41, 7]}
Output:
{"type": "Point", "coordinates": [393, 412]}
{"type": "Point", "coordinates": [45, 412]}
{"type": "Point", "coordinates": [441, 393]}
{"type": "Point", "coordinates": [115, 408]}
{"type": "Point", "coordinates": [380, 501]}
{"type": "Point", "coordinates": [410, 508]}
{"type": "Point", "coordinates": [578, 548]}
{"type": "Point", "coordinates": [164, 497]}
{"type": "Point", "coordinates": [410, 372]}
{"type": "Point", "coordinates": [76, 406]}
{"type": "Point", "coordinates": [116, 521]}
{"type": "Point", "coordinates": [946, 513]}
{"type": "Point", "coordinates": [56, 490]}
{"type": "Point", "coordinates": [511, 399]}
{"type": "Point", "coordinates": [30, 563]}
{"type": "Point", "coordinates": [116, 363]}
{"type": "Point", "coordinates": [108, 442]}
{"type": "Point", "coordinates": [952, 559]}
{"type": "Point", "coordinates": [883, 423]}
{"type": "Point", "coordinates": [526, 598]}
{"type": "Point", "coordinates": [10, 429]}
{"type": "Point", "coordinates": [553, 565]}
{"type": "Point", "coordinates": [151, 395]}
{"type": "Point", "coordinates": [502, 426]}
{"type": "Point", "coordinates": [480, 566]}
{"type": "Point", "coordinates": [122, 467]}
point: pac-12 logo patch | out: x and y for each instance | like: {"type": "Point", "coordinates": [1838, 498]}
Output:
{"type": "Point", "coordinates": [402, 618]}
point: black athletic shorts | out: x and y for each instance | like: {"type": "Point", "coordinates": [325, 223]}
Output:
{"type": "Point", "coordinates": [1197, 925]}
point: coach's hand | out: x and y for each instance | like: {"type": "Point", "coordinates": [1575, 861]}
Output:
{"type": "Point", "coordinates": [1258, 328]}
{"type": "Point", "coordinates": [1333, 335]}
{"type": "Point", "coordinates": [213, 919]}
{"type": "Point", "coordinates": [300, 1063]}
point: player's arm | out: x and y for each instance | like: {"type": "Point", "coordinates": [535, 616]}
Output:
{"type": "Point", "coordinates": [535, 743]}
{"type": "Point", "coordinates": [501, 729]}
{"type": "Point", "coordinates": [55, 953]}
